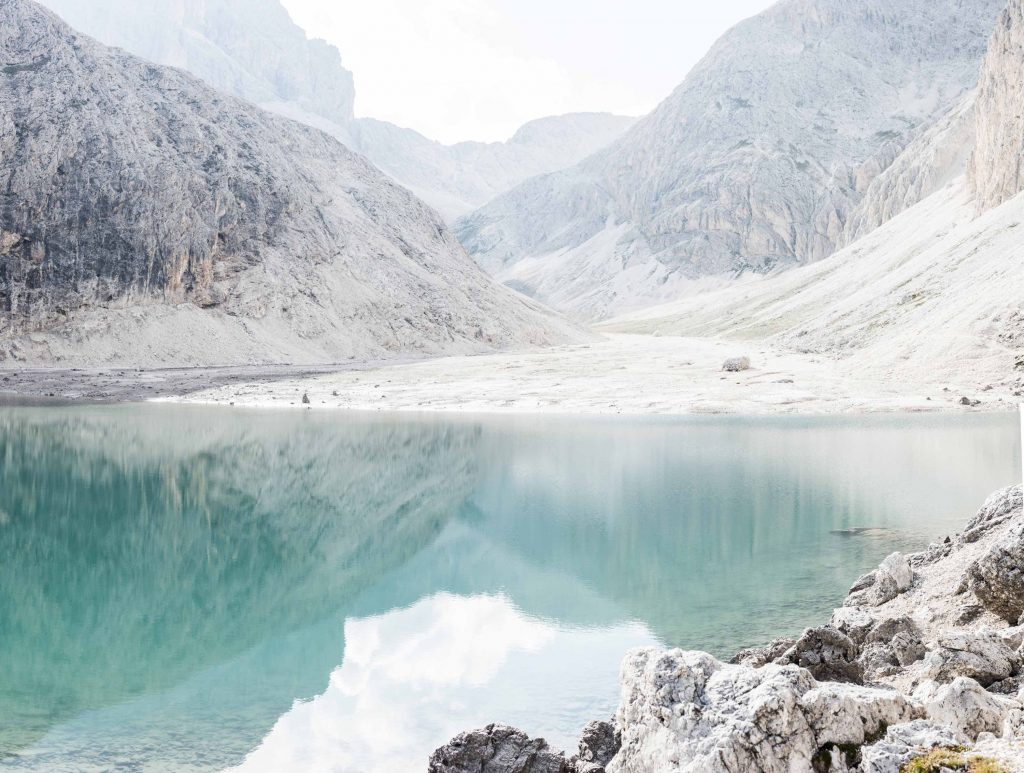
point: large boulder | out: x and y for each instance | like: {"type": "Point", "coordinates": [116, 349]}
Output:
{"type": "Point", "coordinates": [599, 743]}
{"type": "Point", "coordinates": [854, 622]}
{"type": "Point", "coordinates": [998, 509]}
{"type": "Point", "coordinates": [964, 706]}
{"type": "Point", "coordinates": [497, 749]}
{"type": "Point", "coordinates": [891, 645]}
{"type": "Point", "coordinates": [686, 711]}
{"type": "Point", "coordinates": [983, 656]}
{"type": "Point", "coordinates": [904, 742]}
{"type": "Point", "coordinates": [889, 580]}
{"type": "Point", "coordinates": [997, 578]}
{"type": "Point", "coordinates": [829, 654]}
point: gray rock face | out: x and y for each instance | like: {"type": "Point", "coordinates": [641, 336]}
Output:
{"type": "Point", "coordinates": [755, 161]}
{"type": "Point", "coordinates": [497, 749]}
{"type": "Point", "coordinates": [829, 654]}
{"type": "Point", "coordinates": [997, 578]}
{"type": "Point", "coordinates": [995, 169]}
{"type": "Point", "coordinates": [936, 156]}
{"type": "Point", "coordinates": [599, 743]}
{"type": "Point", "coordinates": [893, 644]}
{"type": "Point", "coordinates": [142, 212]}
{"type": "Point", "coordinates": [755, 657]}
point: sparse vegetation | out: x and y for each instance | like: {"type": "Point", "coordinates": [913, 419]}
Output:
{"type": "Point", "coordinates": [952, 759]}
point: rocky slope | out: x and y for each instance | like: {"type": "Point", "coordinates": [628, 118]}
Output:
{"type": "Point", "coordinates": [757, 160]}
{"type": "Point", "coordinates": [934, 158]}
{"type": "Point", "coordinates": [252, 49]}
{"type": "Point", "coordinates": [924, 658]}
{"type": "Point", "coordinates": [936, 291]}
{"type": "Point", "coordinates": [146, 218]}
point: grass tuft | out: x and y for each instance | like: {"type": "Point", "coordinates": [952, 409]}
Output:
{"type": "Point", "coordinates": [952, 759]}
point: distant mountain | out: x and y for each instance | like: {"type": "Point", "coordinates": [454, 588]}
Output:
{"type": "Point", "coordinates": [146, 218]}
{"type": "Point", "coordinates": [252, 49]}
{"type": "Point", "coordinates": [457, 179]}
{"type": "Point", "coordinates": [755, 162]}
{"type": "Point", "coordinates": [249, 48]}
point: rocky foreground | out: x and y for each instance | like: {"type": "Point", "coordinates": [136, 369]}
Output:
{"type": "Point", "coordinates": [921, 670]}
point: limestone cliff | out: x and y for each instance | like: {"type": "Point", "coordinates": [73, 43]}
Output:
{"type": "Point", "coordinates": [146, 218]}
{"type": "Point", "coordinates": [995, 169]}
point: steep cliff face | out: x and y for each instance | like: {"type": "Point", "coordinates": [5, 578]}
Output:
{"type": "Point", "coordinates": [933, 159]}
{"type": "Point", "coordinates": [755, 161]}
{"type": "Point", "coordinates": [249, 48]}
{"type": "Point", "coordinates": [142, 211]}
{"type": "Point", "coordinates": [996, 172]}
{"type": "Point", "coordinates": [253, 50]}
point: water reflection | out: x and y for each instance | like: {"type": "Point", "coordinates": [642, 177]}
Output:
{"type": "Point", "coordinates": [192, 589]}
{"type": "Point", "coordinates": [145, 547]}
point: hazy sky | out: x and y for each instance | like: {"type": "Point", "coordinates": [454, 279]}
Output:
{"type": "Point", "coordinates": [478, 69]}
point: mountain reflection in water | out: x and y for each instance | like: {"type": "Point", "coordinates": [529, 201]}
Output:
{"type": "Point", "coordinates": [199, 589]}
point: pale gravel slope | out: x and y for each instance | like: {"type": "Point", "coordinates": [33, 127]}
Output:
{"type": "Point", "coordinates": [624, 374]}
{"type": "Point", "coordinates": [935, 294]}
{"type": "Point", "coordinates": [146, 219]}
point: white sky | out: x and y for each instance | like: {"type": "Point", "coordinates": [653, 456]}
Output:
{"type": "Point", "coordinates": [478, 69]}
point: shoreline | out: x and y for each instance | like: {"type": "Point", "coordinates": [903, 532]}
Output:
{"type": "Point", "coordinates": [924, 661]}
{"type": "Point", "coordinates": [622, 375]}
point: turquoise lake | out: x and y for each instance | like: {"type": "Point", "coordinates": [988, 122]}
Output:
{"type": "Point", "coordinates": [195, 589]}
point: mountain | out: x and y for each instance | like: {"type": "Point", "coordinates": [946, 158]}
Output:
{"type": "Point", "coordinates": [456, 179]}
{"type": "Point", "coordinates": [146, 218]}
{"type": "Point", "coordinates": [755, 162]}
{"type": "Point", "coordinates": [249, 48]}
{"type": "Point", "coordinates": [252, 49]}
{"type": "Point", "coordinates": [936, 294]}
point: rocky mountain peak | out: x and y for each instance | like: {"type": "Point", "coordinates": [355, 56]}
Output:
{"type": "Point", "coordinates": [146, 217]}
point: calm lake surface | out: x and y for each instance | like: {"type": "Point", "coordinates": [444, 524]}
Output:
{"type": "Point", "coordinates": [204, 589]}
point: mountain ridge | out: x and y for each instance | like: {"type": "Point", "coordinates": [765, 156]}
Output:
{"type": "Point", "coordinates": [149, 219]}
{"type": "Point", "coordinates": [754, 162]}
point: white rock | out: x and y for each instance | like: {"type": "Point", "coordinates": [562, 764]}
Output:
{"type": "Point", "coordinates": [898, 567]}
{"type": "Point", "coordinates": [965, 706]}
{"type": "Point", "coordinates": [982, 656]}
{"type": "Point", "coordinates": [685, 711]}
{"type": "Point", "coordinates": [904, 742]}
